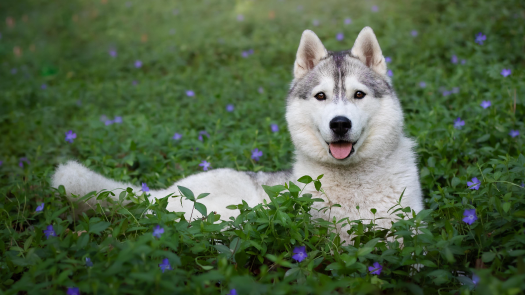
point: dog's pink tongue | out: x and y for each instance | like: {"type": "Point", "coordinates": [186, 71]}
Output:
{"type": "Point", "coordinates": [340, 150]}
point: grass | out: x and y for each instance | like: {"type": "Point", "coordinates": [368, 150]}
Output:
{"type": "Point", "coordinates": [65, 46]}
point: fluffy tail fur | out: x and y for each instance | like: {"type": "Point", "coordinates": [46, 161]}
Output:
{"type": "Point", "coordinates": [79, 180]}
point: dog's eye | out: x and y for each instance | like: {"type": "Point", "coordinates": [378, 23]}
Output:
{"type": "Point", "coordinates": [320, 96]}
{"type": "Point", "coordinates": [359, 94]}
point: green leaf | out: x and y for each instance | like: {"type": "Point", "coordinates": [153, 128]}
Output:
{"type": "Point", "coordinates": [291, 271]}
{"type": "Point", "coordinates": [431, 162]}
{"type": "Point", "coordinates": [423, 214]}
{"type": "Point", "coordinates": [27, 243]}
{"type": "Point", "coordinates": [428, 263]}
{"type": "Point", "coordinates": [484, 138]}
{"type": "Point", "coordinates": [186, 192]}
{"type": "Point", "coordinates": [62, 190]}
{"type": "Point", "coordinates": [201, 208]}
{"type": "Point", "coordinates": [294, 188]}
{"type": "Point", "coordinates": [371, 244]}
{"type": "Point", "coordinates": [97, 228]}
{"type": "Point", "coordinates": [104, 195]}
{"type": "Point", "coordinates": [364, 251]}
{"type": "Point", "coordinates": [231, 207]}
{"type": "Point", "coordinates": [122, 196]}
{"type": "Point", "coordinates": [305, 179]}
{"type": "Point", "coordinates": [333, 266]}
{"type": "Point", "coordinates": [223, 249]}
{"type": "Point", "coordinates": [488, 256]}
{"type": "Point", "coordinates": [317, 185]}
{"type": "Point", "coordinates": [204, 195]}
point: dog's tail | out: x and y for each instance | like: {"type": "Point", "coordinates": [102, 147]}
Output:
{"type": "Point", "coordinates": [79, 180]}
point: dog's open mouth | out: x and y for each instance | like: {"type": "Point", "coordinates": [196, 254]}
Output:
{"type": "Point", "coordinates": [341, 149]}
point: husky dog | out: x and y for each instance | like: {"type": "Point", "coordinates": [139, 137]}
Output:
{"type": "Point", "coordinates": [346, 123]}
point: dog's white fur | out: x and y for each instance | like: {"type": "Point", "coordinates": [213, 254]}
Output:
{"type": "Point", "coordinates": [382, 166]}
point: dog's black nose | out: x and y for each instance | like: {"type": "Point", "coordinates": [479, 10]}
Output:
{"type": "Point", "coordinates": [340, 125]}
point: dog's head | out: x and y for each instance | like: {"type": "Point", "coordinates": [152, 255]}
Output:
{"type": "Point", "coordinates": [341, 107]}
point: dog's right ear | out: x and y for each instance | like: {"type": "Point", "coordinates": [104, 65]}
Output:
{"type": "Point", "coordinates": [311, 51]}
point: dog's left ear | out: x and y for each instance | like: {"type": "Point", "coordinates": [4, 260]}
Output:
{"type": "Point", "coordinates": [367, 49]}
{"type": "Point", "coordinates": [311, 51]}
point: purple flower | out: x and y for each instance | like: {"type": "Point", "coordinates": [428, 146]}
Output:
{"type": "Point", "coordinates": [205, 165]}
{"type": "Point", "coordinates": [40, 208]}
{"type": "Point", "coordinates": [22, 160]}
{"type": "Point", "coordinates": [1, 163]}
{"type": "Point", "coordinates": [89, 263]}
{"type": "Point", "coordinates": [514, 133]}
{"type": "Point", "coordinates": [475, 279]}
{"type": "Point", "coordinates": [240, 17]}
{"type": "Point", "coordinates": [245, 54]}
{"type": "Point", "coordinates": [108, 122]}
{"type": "Point", "coordinates": [454, 59]}
{"type": "Point", "coordinates": [470, 216]}
{"type": "Point", "coordinates": [177, 136]}
{"type": "Point", "coordinates": [118, 120]}
{"type": "Point", "coordinates": [256, 154]}
{"type": "Point", "coordinates": [230, 108]}
{"type": "Point", "coordinates": [165, 265]}
{"type": "Point", "coordinates": [261, 90]}
{"type": "Point", "coordinates": [250, 51]}
{"type": "Point", "coordinates": [190, 93]}
{"type": "Point", "coordinates": [158, 231]}
{"type": "Point", "coordinates": [73, 291]}
{"type": "Point", "coordinates": [201, 133]}
{"type": "Point", "coordinates": [112, 53]}
{"type": "Point", "coordinates": [422, 84]}
{"type": "Point", "coordinates": [13, 71]}
{"type": "Point", "coordinates": [70, 136]}
{"type": "Point", "coordinates": [233, 292]}
{"type": "Point", "coordinates": [145, 187]}
{"type": "Point", "coordinates": [299, 253]}
{"type": "Point", "coordinates": [474, 184]}
{"type": "Point", "coordinates": [315, 23]}
{"type": "Point", "coordinates": [49, 232]}
{"type": "Point", "coordinates": [375, 269]}
{"type": "Point", "coordinates": [348, 21]}
{"type": "Point", "coordinates": [485, 104]}
{"type": "Point", "coordinates": [274, 127]}
{"type": "Point", "coordinates": [459, 123]}
{"type": "Point", "coordinates": [44, 86]}
{"type": "Point", "coordinates": [414, 33]}
{"type": "Point", "coordinates": [446, 93]}
{"type": "Point", "coordinates": [339, 36]}
{"type": "Point", "coordinates": [480, 38]}
{"type": "Point", "coordinates": [463, 61]}
{"type": "Point", "coordinates": [388, 59]}
{"type": "Point", "coordinates": [506, 72]}
{"type": "Point", "coordinates": [134, 82]}
{"type": "Point", "coordinates": [390, 73]}
{"type": "Point", "coordinates": [138, 64]}
{"type": "Point", "coordinates": [375, 8]}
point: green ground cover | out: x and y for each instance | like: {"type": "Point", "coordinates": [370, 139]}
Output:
{"type": "Point", "coordinates": [82, 65]}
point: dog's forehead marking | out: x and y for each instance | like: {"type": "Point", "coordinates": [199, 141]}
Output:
{"type": "Point", "coordinates": [338, 65]}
